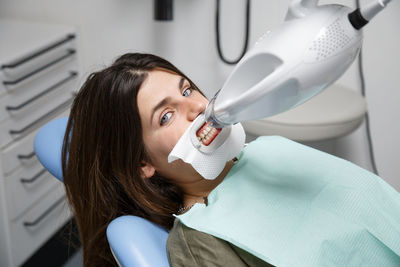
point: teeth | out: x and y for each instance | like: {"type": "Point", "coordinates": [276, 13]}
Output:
{"type": "Point", "coordinates": [207, 133]}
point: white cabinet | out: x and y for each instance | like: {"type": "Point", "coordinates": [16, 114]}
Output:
{"type": "Point", "coordinates": [39, 72]}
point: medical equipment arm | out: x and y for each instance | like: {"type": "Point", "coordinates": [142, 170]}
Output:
{"type": "Point", "coordinates": [292, 63]}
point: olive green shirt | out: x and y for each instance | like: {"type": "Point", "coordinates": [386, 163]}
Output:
{"type": "Point", "coordinates": [188, 247]}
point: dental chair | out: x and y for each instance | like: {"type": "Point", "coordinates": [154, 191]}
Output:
{"type": "Point", "coordinates": [133, 241]}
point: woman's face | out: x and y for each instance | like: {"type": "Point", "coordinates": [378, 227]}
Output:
{"type": "Point", "coordinates": [167, 106]}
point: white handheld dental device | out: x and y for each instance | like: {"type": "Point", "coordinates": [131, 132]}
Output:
{"type": "Point", "coordinates": [286, 67]}
{"type": "Point", "coordinates": [292, 63]}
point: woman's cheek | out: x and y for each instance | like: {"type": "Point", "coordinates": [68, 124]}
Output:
{"type": "Point", "coordinates": [167, 139]}
{"type": "Point", "coordinates": [171, 134]}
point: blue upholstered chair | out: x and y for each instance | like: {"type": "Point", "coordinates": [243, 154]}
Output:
{"type": "Point", "coordinates": [134, 241]}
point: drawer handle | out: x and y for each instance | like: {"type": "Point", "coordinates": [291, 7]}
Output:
{"type": "Point", "coordinates": [51, 88]}
{"type": "Point", "coordinates": [69, 53]}
{"type": "Point", "coordinates": [26, 128]}
{"type": "Point", "coordinates": [34, 178]}
{"type": "Point", "coordinates": [44, 50]}
{"type": "Point", "coordinates": [30, 155]}
{"type": "Point", "coordinates": [44, 214]}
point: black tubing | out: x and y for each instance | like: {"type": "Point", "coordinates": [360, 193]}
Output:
{"type": "Point", "coordinates": [227, 61]}
{"type": "Point", "coordinates": [367, 123]}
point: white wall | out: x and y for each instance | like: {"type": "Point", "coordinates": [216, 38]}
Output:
{"type": "Point", "coordinates": [108, 28]}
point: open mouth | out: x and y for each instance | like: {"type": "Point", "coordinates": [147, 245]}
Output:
{"type": "Point", "coordinates": [206, 134]}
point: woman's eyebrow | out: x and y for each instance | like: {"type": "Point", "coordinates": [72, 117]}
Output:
{"type": "Point", "coordinates": [166, 100]}
{"type": "Point", "coordinates": [181, 83]}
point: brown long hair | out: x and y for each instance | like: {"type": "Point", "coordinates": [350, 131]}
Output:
{"type": "Point", "coordinates": [102, 154]}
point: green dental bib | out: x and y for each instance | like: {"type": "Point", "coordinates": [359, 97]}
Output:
{"type": "Point", "coordinates": [292, 205]}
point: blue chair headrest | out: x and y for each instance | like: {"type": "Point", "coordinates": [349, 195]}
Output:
{"type": "Point", "coordinates": [48, 145]}
{"type": "Point", "coordinates": [133, 240]}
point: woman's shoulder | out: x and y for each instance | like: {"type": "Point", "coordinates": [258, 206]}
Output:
{"type": "Point", "coordinates": [182, 237]}
{"type": "Point", "coordinates": [180, 233]}
{"type": "Point", "coordinates": [189, 247]}
{"type": "Point", "coordinates": [175, 234]}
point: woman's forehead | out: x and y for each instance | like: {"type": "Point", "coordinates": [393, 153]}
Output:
{"type": "Point", "coordinates": [158, 85]}
{"type": "Point", "coordinates": [160, 81]}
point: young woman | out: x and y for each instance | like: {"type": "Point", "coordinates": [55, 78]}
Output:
{"type": "Point", "coordinates": [123, 123]}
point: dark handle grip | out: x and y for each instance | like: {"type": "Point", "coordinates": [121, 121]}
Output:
{"type": "Point", "coordinates": [28, 156]}
{"type": "Point", "coordinates": [41, 118]}
{"type": "Point", "coordinates": [44, 214]}
{"type": "Point", "coordinates": [44, 50]}
{"type": "Point", "coordinates": [34, 178]}
{"type": "Point", "coordinates": [48, 90]}
{"type": "Point", "coordinates": [69, 53]}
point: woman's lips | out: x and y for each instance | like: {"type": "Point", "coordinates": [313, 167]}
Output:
{"type": "Point", "coordinates": [206, 134]}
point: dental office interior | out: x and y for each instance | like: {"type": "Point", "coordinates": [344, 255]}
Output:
{"type": "Point", "coordinates": [35, 221]}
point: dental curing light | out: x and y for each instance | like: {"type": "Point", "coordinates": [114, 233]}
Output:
{"type": "Point", "coordinates": [292, 63]}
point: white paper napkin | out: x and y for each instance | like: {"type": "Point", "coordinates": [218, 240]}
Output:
{"type": "Point", "coordinates": [209, 165]}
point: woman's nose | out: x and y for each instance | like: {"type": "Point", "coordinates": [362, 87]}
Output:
{"type": "Point", "coordinates": [194, 109]}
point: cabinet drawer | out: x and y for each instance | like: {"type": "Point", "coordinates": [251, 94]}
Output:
{"type": "Point", "coordinates": [17, 103]}
{"type": "Point", "coordinates": [31, 64]}
{"type": "Point", "coordinates": [26, 186]}
{"type": "Point", "coordinates": [21, 152]}
{"type": "Point", "coordinates": [35, 227]}
{"type": "Point", "coordinates": [16, 127]}
{"type": "Point", "coordinates": [8, 85]}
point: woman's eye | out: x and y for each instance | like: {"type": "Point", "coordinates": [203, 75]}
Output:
{"type": "Point", "coordinates": [165, 118]}
{"type": "Point", "coordinates": [187, 92]}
